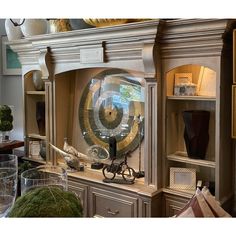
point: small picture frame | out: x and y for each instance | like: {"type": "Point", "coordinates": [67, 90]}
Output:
{"type": "Point", "coordinates": [10, 62]}
{"type": "Point", "coordinates": [183, 78]}
{"type": "Point", "coordinates": [34, 150]}
{"type": "Point", "coordinates": [183, 178]}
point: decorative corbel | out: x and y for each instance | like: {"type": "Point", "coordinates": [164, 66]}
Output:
{"type": "Point", "coordinates": [148, 61]}
{"type": "Point", "coordinates": [45, 63]}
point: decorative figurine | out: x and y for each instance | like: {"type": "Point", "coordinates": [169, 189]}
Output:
{"type": "Point", "coordinates": [71, 160]}
{"type": "Point", "coordinates": [128, 174]}
{"type": "Point", "coordinates": [71, 150]}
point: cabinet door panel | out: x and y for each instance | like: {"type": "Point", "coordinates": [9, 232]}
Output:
{"type": "Point", "coordinates": [81, 191]}
{"type": "Point", "coordinates": [173, 205]}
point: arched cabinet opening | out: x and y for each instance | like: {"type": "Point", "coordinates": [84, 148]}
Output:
{"type": "Point", "coordinates": [93, 105]}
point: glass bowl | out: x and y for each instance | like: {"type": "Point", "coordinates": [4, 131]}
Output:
{"type": "Point", "coordinates": [45, 175]}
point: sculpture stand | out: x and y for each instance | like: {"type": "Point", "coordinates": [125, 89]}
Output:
{"type": "Point", "coordinates": [140, 173]}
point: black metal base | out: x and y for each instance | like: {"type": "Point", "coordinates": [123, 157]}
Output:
{"type": "Point", "coordinates": [140, 174]}
{"type": "Point", "coordinates": [97, 165]}
{"type": "Point", "coordinates": [117, 181]}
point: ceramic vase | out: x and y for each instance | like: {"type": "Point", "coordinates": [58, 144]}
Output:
{"type": "Point", "coordinates": [13, 32]}
{"type": "Point", "coordinates": [38, 81]}
{"type": "Point", "coordinates": [196, 132]}
{"type": "Point", "coordinates": [34, 27]}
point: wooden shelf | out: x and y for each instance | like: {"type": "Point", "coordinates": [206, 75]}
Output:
{"type": "Point", "coordinates": [182, 157]}
{"type": "Point", "coordinates": [178, 192]}
{"type": "Point", "coordinates": [33, 159]}
{"type": "Point", "coordinates": [37, 136]}
{"type": "Point", "coordinates": [197, 98]}
{"type": "Point", "coordinates": [35, 92]}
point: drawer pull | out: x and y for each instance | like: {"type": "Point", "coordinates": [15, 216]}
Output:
{"type": "Point", "coordinates": [112, 212]}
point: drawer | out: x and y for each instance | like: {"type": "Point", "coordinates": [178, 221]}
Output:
{"type": "Point", "coordinates": [105, 203]}
{"type": "Point", "coordinates": [81, 191]}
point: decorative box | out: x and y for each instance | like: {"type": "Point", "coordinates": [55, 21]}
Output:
{"type": "Point", "coordinates": [185, 89]}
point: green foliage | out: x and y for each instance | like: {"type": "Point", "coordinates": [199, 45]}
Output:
{"type": "Point", "coordinates": [48, 201]}
{"type": "Point", "coordinates": [4, 110]}
{"type": "Point", "coordinates": [6, 118]}
{"type": "Point", "coordinates": [6, 125]}
{"type": "Point", "coordinates": [23, 167]}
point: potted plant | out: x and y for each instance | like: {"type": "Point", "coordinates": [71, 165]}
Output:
{"type": "Point", "coordinates": [6, 122]}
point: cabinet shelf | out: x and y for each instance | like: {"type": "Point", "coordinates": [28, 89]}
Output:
{"type": "Point", "coordinates": [36, 136]}
{"type": "Point", "coordinates": [178, 192]}
{"type": "Point", "coordinates": [182, 157]}
{"type": "Point", "coordinates": [35, 92]}
{"type": "Point", "coordinates": [196, 98]}
{"type": "Point", "coordinates": [33, 159]}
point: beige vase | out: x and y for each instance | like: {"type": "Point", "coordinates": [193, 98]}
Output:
{"type": "Point", "coordinates": [34, 27]}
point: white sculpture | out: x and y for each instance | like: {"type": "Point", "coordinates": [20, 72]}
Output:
{"type": "Point", "coordinates": [71, 160]}
{"type": "Point", "coordinates": [71, 150]}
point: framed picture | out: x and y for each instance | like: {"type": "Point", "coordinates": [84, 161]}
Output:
{"type": "Point", "coordinates": [183, 78]}
{"type": "Point", "coordinates": [183, 178]}
{"type": "Point", "coordinates": [10, 62]}
{"type": "Point", "coordinates": [206, 82]}
{"type": "Point", "coordinates": [34, 150]}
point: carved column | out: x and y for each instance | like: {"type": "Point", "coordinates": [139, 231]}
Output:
{"type": "Point", "coordinates": [46, 68]}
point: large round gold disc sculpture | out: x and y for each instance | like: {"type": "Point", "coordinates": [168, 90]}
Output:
{"type": "Point", "coordinates": [108, 107]}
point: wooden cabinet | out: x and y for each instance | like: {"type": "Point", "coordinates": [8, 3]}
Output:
{"type": "Point", "coordinates": [189, 46]}
{"type": "Point", "coordinates": [68, 62]}
{"type": "Point", "coordinates": [153, 52]}
{"type": "Point", "coordinates": [173, 204]}
{"type": "Point", "coordinates": [100, 199]}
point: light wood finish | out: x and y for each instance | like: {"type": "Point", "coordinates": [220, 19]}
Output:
{"type": "Point", "coordinates": [183, 157]}
{"type": "Point", "coordinates": [31, 97]}
{"type": "Point", "coordinates": [188, 45]}
{"type": "Point", "coordinates": [114, 200]}
{"type": "Point", "coordinates": [81, 191]}
{"type": "Point", "coordinates": [156, 49]}
{"type": "Point", "coordinates": [63, 58]}
{"type": "Point", "coordinates": [109, 204]}
{"type": "Point", "coordinates": [173, 204]}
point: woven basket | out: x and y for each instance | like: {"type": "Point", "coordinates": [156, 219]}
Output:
{"type": "Point", "coordinates": [105, 22]}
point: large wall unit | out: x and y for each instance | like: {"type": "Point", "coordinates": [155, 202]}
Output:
{"type": "Point", "coordinates": [150, 53]}
{"type": "Point", "coordinates": [68, 62]}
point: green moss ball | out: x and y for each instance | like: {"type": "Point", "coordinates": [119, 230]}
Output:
{"type": "Point", "coordinates": [48, 201]}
